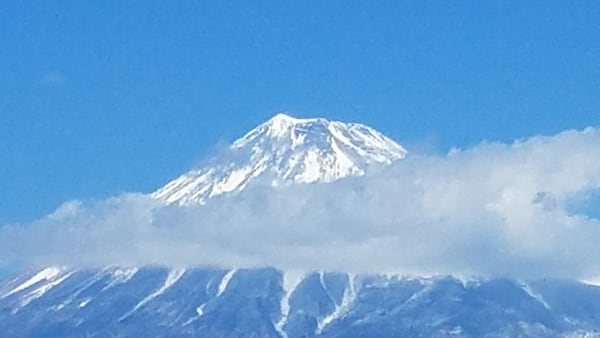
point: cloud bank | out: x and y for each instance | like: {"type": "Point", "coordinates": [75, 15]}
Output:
{"type": "Point", "coordinates": [493, 210]}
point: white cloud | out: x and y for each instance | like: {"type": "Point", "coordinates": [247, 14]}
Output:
{"type": "Point", "coordinates": [495, 209]}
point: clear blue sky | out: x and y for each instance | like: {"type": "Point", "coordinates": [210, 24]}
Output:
{"type": "Point", "coordinates": [101, 97]}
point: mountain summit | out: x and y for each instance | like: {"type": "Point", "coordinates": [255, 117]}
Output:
{"type": "Point", "coordinates": [286, 149]}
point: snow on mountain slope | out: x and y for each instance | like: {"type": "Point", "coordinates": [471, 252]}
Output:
{"type": "Point", "coordinates": [204, 302]}
{"type": "Point", "coordinates": [286, 149]}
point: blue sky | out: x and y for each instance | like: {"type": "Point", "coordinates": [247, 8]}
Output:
{"type": "Point", "coordinates": [98, 98]}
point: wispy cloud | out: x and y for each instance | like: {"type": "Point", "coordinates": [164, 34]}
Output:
{"type": "Point", "coordinates": [53, 79]}
{"type": "Point", "coordinates": [495, 209]}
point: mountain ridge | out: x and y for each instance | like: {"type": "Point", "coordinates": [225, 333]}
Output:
{"type": "Point", "coordinates": [266, 302]}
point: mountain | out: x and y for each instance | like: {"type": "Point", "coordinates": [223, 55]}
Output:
{"type": "Point", "coordinates": [160, 302]}
{"type": "Point", "coordinates": [152, 301]}
{"type": "Point", "coordinates": [283, 150]}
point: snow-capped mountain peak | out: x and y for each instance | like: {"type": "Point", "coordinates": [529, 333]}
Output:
{"type": "Point", "coordinates": [277, 126]}
{"type": "Point", "coordinates": [286, 149]}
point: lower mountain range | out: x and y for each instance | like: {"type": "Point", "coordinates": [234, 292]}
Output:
{"type": "Point", "coordinates": [201, 302]}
